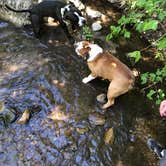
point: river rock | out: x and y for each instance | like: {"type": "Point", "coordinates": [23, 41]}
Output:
{"type": "Point", "coordinates": [96, 119]}
{"type": "Point", "coordinates": [82, 130]}
{"type": "Point", "coordinates": [57, 114]}
{"type": "Point", "coordinates": [7, 115]}
{"type": "Point", "coordinates": [101, 98]}
{"type": "Point", "coordinates": [78, 4]}
{"type": "Point", "coordinates": [96, 26]}
{"type": "Point", "coordinates": [18, 19]}
{"type": "Point", "coordinates": [120, 3]}
{"type": "Point", "coordinates": [109, 136]}
{"type": "Point", "coordinates": [93, 13]}
{"type": "Point", "coordinates": [24, 118]}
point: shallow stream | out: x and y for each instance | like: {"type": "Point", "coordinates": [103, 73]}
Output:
{"type": "Point", "coordinates": [67, 126]}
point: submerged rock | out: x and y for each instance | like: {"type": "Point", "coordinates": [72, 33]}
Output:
{"type": "Point", "coordinates": [109, 136]}
{"type": "Point", "coordinates": [7, 115]}
{"type": "Point", "coordinates": [24, 118]}
{"type": "Point", "coordinates": [96, 119]}
{"type": "Point", "coordinates": [57, 114]}
{"type": "Point", "coordinates": [101, 98]}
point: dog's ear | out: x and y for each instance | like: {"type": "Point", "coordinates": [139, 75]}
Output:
{"type": "Point", "coordinates": [87, 43]}
{"type": "Point", "coordinates": [71, 3]}
{"type": "Point", "coordinates": [84, 52]}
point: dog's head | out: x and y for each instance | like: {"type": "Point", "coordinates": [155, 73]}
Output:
{"type": "Point", "coordinates": [72, 14]}
{"type": "Point", "coordinates": [83, 48]}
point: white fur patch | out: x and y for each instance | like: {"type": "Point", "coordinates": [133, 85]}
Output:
{"type": "Point", "coordinates": [78, 47]}
{"type": "Point", "coordinates": [88, 79]}
{"type": "Point", "coordinates": [67, 7]}
{"type": "Point", "coordinates": [81, 19]}
{"type": "Point", "coordinates": [95, 50]}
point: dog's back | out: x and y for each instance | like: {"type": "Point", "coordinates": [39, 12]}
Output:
{"type": "Point", "coordinates": [109, 67]}
{"type": "Point", "coordinates": [48, 8]}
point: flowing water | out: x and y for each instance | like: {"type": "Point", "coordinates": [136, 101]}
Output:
{"type": "Point", "coordinates": [67, 126]}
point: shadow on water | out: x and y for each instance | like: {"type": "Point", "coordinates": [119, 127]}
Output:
{"type": "Point", "coordinates": [48, 76]}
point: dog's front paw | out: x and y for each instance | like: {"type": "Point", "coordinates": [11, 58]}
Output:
{"type": "Point", "coordinates": [85, 80]}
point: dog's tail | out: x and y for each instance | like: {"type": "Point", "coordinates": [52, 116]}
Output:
{"type": "Point", "coordinates": [18, 11]}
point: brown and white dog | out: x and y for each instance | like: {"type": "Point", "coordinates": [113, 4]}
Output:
{"type": "Point", "coordinates": [104, 64]}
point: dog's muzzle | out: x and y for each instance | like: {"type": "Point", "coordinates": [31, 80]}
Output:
{"type": "Point", "coordinates": [82, 22]}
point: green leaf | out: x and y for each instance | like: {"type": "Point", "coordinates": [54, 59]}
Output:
{"type": "Point", "coordinates": [136, 55]}
{"type": "Point", "coordinates": [159, 79]}
{"type": "Point", "coordinates": [109, 37]}
{"type": "Point", "coordinates": [150, 94]}
{"type": "Point", "coordinates": [162, 43]}
{"type": "Point", "coordinates": [127, 34]}
{"type": "Point", "coordinates": [162, 15]}
{"type": "Point", "coordinates": [144, 78]}
{"type": "Point", "coordinates": [115, 30]}
{"type": "Point", "coordinates": [150, 25]}
{"type": "Point", "coordinates": [147, 25]}
{"type": "Point", "coordinates": [158, 55]}
{"type": "Point", "coordinates": [141, 3]}
{"type": "Point", "coordinates": [152, 77]}
{"type": "Point", "coordinates": [158, 101]}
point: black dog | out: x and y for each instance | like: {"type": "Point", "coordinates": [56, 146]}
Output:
{"type": "Point", "coordinates": [58, 10]}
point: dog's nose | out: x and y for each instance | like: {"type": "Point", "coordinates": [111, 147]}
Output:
{"type": "Point", "coordinates": [84, 21]}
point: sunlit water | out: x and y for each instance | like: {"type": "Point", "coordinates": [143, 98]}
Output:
{"type": "Point", "coordinates": [35, 75]}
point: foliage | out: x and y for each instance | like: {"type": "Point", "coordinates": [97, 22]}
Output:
{"type": "Point", "coordinates": [87, 33]}
{"type": "Point", "coordinates": [151, 80]}
{"type": "Point", "coordinates": [143, 16]}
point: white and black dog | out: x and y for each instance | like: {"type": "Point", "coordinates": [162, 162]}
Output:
{"type": "Point", "coordinates": [58, 10]}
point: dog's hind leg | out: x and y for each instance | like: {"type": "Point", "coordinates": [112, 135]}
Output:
{"type": "Point", "coordinates": [115, 89]}
{"type": "Point", "coordinates": [36, 24]}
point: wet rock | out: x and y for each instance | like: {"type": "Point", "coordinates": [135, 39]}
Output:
{"type": "Point", "coordinates": [93, 13]}
{"type": "Point", "coordinates": [16, 18]}
{"type": "Point", "coordinates": [24, 118]}
{"type": "Point", "coordinates": [82, 127]}
{"type": "Point", "coordinates": [96, 26]}
{"type": "Point", "coordinates": [109, 136]}
{"type": "Point", "coordinates": [7, 115]}
{"type": "Point", "coordinates": [96, 119]}
{"type": "Point", "coordinates": [101, 98]}
{"type": "Point", "coordinates": [119, 163]}
{"type": "Point", "coordinates": [58, 115]}
{"type": "Point", "coordinates": [82, 130]}
{"type": "Point", "coordinates": [78, 4]}
{"type": "Point", "coordinates": [119, 3]}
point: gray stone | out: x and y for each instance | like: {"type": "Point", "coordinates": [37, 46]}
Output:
{"type": "Point", "coordinates": [96, 26]}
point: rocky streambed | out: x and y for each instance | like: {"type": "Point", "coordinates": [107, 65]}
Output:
{"type": "Point", "coordinates": [66, 125]}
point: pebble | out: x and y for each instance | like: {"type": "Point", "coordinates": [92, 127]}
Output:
{"type": "Point", "coordinates": [93, 13]}
{"type": "Point", "coordinates": [101, 98]}
{"type": "Point", "coordinates": [96, 119]}
{"type": "Point", "coordinates": [96, 26]}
